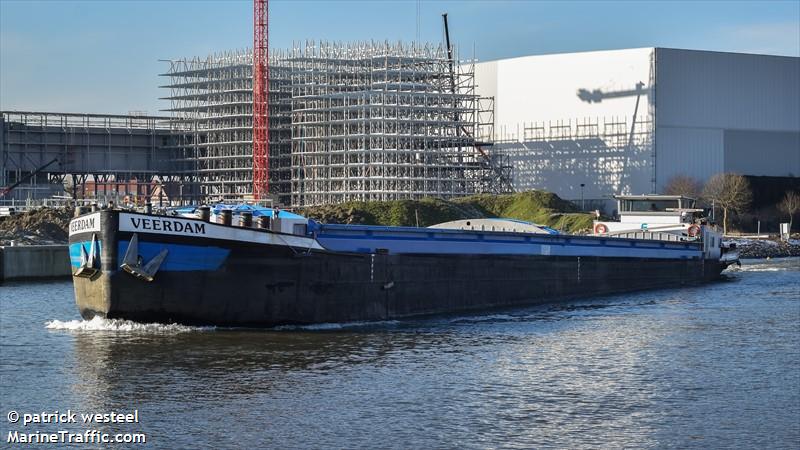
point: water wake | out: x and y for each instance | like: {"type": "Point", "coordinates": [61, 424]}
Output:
{"type": "Point", "coordinates": [488, 318]}
{"type": "Point", "coordinates": [761, 269]}
{"type": "Point", "coordinates": [336, 326]}
{"type": "Point", "coordinates": [772, 265]}
{"type": "Point", "coordinates": [119, 325]}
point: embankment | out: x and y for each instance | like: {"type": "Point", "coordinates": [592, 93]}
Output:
{"type": "Point", "coordinates": [34, 261]}
{"type": "Point", "coordinates": [765, 248]}
{"type": "Point", "coordinates": [34, 244]}
{"type": "Point", "coordinates": [541, 207]}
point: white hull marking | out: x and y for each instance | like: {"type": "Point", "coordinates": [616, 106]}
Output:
{"type": "Point", "coordinates": [85, 224]}
{"type": "Point", "coordinates": [184, 227]}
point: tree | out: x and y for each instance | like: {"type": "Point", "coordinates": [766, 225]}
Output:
{"type": "Point", "coordinates": [683, 185]}
{"type": "Point", "coordinates": [728, 191]}
{"type": "Point", "coordinates": [790, 204]}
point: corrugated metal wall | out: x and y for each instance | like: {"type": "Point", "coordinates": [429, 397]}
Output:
{"type": "Point", "coordinates": [694, 152]}
{"type": "Point", "coordinates": [718, 112]}
{"type": "Point", "coordinates": [762, 153]}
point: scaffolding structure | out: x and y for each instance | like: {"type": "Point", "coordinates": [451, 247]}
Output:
{"type": "Point", "coordinates": [212, 105]}
{"type": "Point", "coordinates": [381, 121]}
{"type": "Point", "coordinates": [360, 121]}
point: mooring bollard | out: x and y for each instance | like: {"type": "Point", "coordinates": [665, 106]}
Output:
{"type": "Point", "coordinates": [263, 222]}
{"type": "Point", "coordinates": [246, 219]}
{"type": "Point", "coordinates": [205, 213]}
{"type": "Point", "coordinates": [225, 217]}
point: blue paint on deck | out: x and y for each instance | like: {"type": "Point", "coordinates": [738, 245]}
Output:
{"type": "Point", "coordinates": [257, 210]}
{"type": "Point", "coordinates": [180, 257]}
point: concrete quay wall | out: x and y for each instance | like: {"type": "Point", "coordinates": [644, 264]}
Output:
{"type": "Point", "coordinates": [34, 261]}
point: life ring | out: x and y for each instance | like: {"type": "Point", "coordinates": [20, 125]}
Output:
{"type": "Point", "coordinates": [600, 229]}
{"type": "Point", "coordinates": [693, 230]}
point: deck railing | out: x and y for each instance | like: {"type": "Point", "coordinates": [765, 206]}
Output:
{"type": "Point", "coordinates": [653, 235]}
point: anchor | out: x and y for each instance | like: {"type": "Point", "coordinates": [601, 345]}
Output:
{"type": "Point", "coordinates": [132, 263]}
{"type": "Point", "coordinates": [88, 268]}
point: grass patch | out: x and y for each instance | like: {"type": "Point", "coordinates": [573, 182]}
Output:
{"type": "Point", "coordinates": [544, 208]}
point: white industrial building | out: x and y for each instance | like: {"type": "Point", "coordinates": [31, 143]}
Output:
{"type": "Point", "coordinates": [626, 121]}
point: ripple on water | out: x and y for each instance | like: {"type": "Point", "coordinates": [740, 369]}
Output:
{"type": "Point", "coordinates": [712, 366]}
{"type": "Point", "coordinates": [337, 326]}
{"type": "Point", "coordinates": [766, 265]}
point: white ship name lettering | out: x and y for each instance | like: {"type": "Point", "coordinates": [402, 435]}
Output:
{"type": "Point", "coordinates": [81, 224]}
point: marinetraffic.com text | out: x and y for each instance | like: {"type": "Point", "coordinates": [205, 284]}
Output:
{"type": "Point", "coordinates": [34, 427]}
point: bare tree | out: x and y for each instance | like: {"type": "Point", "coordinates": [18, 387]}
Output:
{"type": "Point", "coordinates": [790, 204]}
{"type": "Point", "coordinates": [728, 191]}
{"type": "Point", "coordinates": [683, 185]}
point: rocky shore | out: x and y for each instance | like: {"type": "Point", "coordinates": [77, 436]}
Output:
{"type": "Point", "coordinates": [765, 248]}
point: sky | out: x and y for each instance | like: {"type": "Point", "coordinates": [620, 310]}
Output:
{"type": "Point", "coordinates": [102, 56]}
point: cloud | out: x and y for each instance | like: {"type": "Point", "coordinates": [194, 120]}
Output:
{"type": "Point", "coordinates": [779, 38]}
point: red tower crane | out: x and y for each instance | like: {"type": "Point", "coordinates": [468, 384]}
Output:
{"type": "Point", "coordinates": [260, 99]}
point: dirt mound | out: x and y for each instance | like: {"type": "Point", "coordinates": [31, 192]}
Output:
{"type": "Point", "coordinates": [39, 226]}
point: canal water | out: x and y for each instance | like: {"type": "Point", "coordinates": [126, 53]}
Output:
{"type": "Point", "coordinates": [716, 366]}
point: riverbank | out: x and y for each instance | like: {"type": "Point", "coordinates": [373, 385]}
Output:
{"type": "Point", "coordinates": [544, 208]}
{"type": "Point", "coordinates": [765, 248]}
{"type": "Point", "coordinates": [27, 262]}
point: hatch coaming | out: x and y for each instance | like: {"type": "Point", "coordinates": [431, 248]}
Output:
{"type": "Point", "coordinates": [409, 240]}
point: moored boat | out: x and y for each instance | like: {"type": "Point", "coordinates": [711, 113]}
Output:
{"type": "Point", "coordinates": [271, 268]}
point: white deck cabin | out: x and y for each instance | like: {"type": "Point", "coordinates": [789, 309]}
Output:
{"type": "Point", "coordinates": [674, 214]}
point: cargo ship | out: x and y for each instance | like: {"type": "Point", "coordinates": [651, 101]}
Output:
{"type": "Point", "coordinates": [252, 266]}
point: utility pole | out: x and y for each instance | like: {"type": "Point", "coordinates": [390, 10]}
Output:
{"type": "Point", "coordinates": [583, 207]}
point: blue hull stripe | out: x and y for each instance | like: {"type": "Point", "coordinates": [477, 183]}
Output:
{"type": "Point", "coordinates": [75, 251]}
{"type": "Point", "coordinates": [180, 258]}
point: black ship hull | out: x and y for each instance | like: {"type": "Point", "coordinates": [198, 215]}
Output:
{"type": "Point", "coordinates": [268, 284]}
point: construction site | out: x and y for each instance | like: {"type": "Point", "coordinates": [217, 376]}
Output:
{"type": "Point", "coordinates": [361, 121]}
{"type": "Point", "coordinates": [325, 123]}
